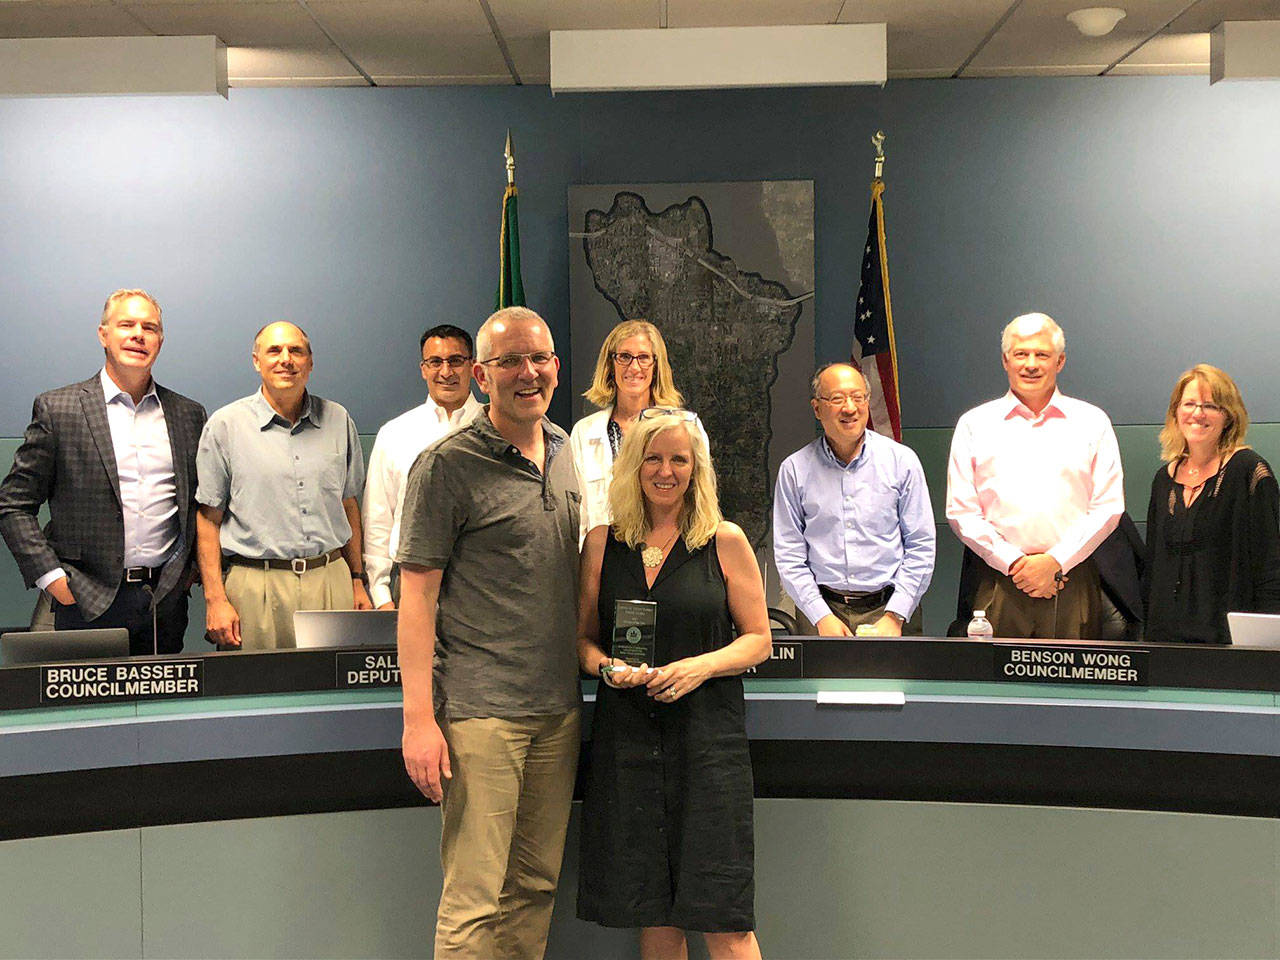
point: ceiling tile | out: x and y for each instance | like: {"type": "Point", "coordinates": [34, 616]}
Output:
{"type": "Point", "coordinates": [928, 38]}
{"type": "Point", "coordinates": [320, 66]}
{"type": "Point", "coordinates": [532, 57]}
{"type": "Point", "coordinates": [1167, 54]}
{"type": "Point", "coordinates": [750, 13]}
{"type": "Point", "coordinates": [521, 18]}
{"type": "Point", "coordinates": [526, 26]}
{"type": "Point", "coordinates": [1039, 38]}
{"type": "Point", "coordinates": [42, 19]}
{"type": "Point", "coordinates": [237, 24]}
{"type": "Point", "coordinates": [415, 39]}
{"type": "Point", "coordinates": [1185, 49]}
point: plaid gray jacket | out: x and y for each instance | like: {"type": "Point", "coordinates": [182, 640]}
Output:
{"type": "Point", "coordinates": [67, 460]}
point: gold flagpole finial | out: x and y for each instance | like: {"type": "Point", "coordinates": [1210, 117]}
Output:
{"type": "Point", "coordinates": [877, 141]}
{"type": "Point", "coordinates": [511, 161]}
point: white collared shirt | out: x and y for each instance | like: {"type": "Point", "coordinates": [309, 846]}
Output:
{"type": "Point", "coordinates": [1021, 483]}
{"type": "Point", "coordinates": [144, 466]}
{"type": "Point", "coordinates": [396, 448]}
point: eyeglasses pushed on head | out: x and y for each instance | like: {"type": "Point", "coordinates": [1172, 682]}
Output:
{"type": "Point", "coordinates": [653, 413]}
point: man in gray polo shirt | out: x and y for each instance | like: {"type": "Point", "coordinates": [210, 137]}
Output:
{"type": "Point", "coordinates": [279, 473]}
{"type": "Point", "coordinates": [489, 575]}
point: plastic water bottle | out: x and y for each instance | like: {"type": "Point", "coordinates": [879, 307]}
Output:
{"type": "Point", "coordinates": [980, 626]}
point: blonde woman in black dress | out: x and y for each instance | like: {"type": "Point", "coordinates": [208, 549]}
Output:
{"type": "Point", "coordinates": [1213, 524]}
{"type": "Point", "coordinates": [667, 839]}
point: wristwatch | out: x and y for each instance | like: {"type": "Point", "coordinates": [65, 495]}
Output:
{"type": "Point", "coordinates": [362, 577]}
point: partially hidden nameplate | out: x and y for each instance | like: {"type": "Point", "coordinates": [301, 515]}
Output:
{"type": "Point", "coordinates": [88, 682]}
{"type": "Point", "coordinates": [634, 632]}
{"type": "Point", "coordinates": [1108, 666]}
{"type": "Point", "coordinates": [371, 668]}
{"type": "Point", "coordinates": [786, 662]}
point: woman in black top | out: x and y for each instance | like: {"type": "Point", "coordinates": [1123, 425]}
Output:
{"type": "Point", "coordinates": [667, 842]}
{"type": "Point", "coordinates": [1213, 524]}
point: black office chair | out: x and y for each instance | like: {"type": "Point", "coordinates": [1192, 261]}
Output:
{"type": "Point", "coordinates": [784, 623]}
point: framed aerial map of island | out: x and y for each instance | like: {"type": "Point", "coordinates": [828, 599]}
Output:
{"type": "Point", "coordinates": [725, 271]}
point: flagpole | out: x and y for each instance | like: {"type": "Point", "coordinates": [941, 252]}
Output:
{"type": "Point", "coordinates": [510, 283]}
{"type": "Point", "coordinates": [877, 141]}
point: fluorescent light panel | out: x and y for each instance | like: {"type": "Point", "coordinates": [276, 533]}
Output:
{"type": "Point", "coordinates": [1244, 50]}
{"type": "Point", "coordinates": [103, 66]}
{"type": "Point", "coordinates": [586, 61]}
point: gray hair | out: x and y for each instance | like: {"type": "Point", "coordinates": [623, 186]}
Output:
{"type": "Point", "coordinates": [127, 294]}
{"type": "Point", "coordinates": [1030, 324]}
{"type": "Point", "coordinates": [484, 336]}
{"type": "Point", "coordinates": [263, 329]}
{"type": "Point", "coordinates": [817, 376]}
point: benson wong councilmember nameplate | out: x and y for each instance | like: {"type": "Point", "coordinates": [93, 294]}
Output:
{"type": "Point", "coordinates": [1037, 663]}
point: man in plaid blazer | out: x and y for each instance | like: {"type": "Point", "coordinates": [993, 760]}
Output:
{"type": "Point", "coordinates": [114, 457]}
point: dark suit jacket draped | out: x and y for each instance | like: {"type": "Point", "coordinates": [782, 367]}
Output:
{"type": "Point", "coordinates": [1120, 560]}
{"type": "Point", "coordinates": [67, 460]}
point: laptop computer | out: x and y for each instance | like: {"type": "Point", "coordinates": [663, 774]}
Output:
{"type": "Point", "coordinates": [52, 646]}
{"type": "Point", "coordinates": [1254, 630]}
{"type": "Point", "coordinates": [314, 629]}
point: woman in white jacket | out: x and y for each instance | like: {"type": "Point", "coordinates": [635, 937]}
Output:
{"type": "Point", "coordinates": [632, 372]}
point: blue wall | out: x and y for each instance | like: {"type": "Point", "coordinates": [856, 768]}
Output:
{"type": "Point", "coordinates": [1144, 213]}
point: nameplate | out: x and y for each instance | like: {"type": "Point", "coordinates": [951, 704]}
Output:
{"type": "Point", "coordinates": [108, 682]}
{"type": "Point", "coordinates": [786, 662]}
{"type": "Point", "coordinates": [373, 668]}
{"type": "Point", "coordinates": [1106, 666]}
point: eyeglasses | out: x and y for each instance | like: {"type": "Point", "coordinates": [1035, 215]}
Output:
{"type": "Point", "coordinates": [653, 413]}
{"type": "Point", "coordinates": [1190, 406]}
{"type": "Point", "coordinates": [643, 360]}
{"type": "Point", "coordinates": [840, 399]}
{"type": "Point", "coordinates": [454, 361]}
{"type": "Point", "coordinates": [509, 361]}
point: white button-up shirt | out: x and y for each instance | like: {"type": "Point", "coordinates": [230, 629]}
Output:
{"type": "Point", "coordinates": [144, 465]}
{"type": "Point", "coordinates": [396, 448]}
{"type": "Point", "coordinates": [1020, 483]}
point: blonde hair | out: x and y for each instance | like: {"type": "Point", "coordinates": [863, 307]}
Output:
{"type": "Point", "coordinates": [1225, 394]}
{"type": "Point", "coordinates": [127, 294]}
{"type": "Point", "coordinates": [700, 513]}
{"type": "Point", "coordinates": [604, 386]}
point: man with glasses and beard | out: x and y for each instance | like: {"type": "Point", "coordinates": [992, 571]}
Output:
{"type": "Point", "coordinates": [446, 353]}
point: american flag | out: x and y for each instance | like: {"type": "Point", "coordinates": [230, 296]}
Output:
{"type": "Point", "coordinates": [874, 351]}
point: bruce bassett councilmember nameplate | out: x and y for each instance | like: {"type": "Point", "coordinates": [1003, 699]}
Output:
{"type": "Point", "coordinates": [105, 682]}
{"type": "Point", "coordinates": [634, 632]}
{"type": "Point", "coordinates": [1108, 666]}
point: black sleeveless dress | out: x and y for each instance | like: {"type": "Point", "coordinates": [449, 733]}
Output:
{"type": "Point", "coordinates": [666, 821]}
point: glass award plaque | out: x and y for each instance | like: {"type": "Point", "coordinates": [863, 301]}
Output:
{"type": "Point", "coordinates": [634, 625]}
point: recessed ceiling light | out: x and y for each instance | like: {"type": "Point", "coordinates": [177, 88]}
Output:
{"type": "Point", "coordinates": [1096, 21]}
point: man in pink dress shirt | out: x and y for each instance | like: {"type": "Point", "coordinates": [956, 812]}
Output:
{"type": "Point", "coordinates": [1034, 484]}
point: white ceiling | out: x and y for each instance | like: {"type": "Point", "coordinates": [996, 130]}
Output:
{"type": "Point", "coordinates": [429, 42]}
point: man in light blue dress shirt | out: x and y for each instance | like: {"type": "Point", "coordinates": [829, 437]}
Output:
{"type": "Point", "coordinates": [853, 531]}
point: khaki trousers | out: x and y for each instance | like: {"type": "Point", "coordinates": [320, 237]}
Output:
{"type": "Point", "coordinates": [852, 618]}
{"type": "Point", "coordinates": [266, 598]}
{"type": "Point", "coordinates": [505, 813]}
{"type": "Point", "coordinates": [1074, 615]}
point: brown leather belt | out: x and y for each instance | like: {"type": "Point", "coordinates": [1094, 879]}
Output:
{"type": "Point", "coordinates": [298, 565]}
{"type": "Point", "coordinates": [861, 602]}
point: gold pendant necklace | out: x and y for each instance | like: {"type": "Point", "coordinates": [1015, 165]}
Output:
{"type": "Point", "coordinates": [652, 556]}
